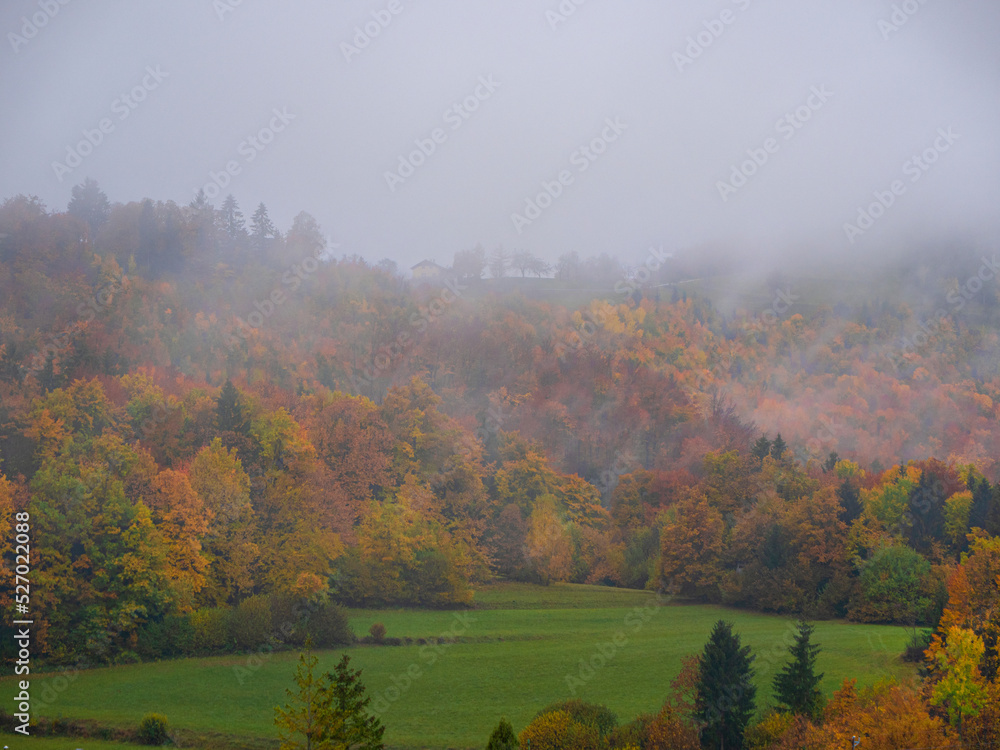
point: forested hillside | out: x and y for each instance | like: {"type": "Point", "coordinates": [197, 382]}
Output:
{"type": "Point", "coordinates": [202, 414]}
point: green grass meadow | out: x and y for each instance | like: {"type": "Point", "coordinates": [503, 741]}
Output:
{"type": "Point", "coordinates": [513, 655]}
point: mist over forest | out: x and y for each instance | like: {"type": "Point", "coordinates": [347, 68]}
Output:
{"type": "Point", "coordinates": [525, 356]}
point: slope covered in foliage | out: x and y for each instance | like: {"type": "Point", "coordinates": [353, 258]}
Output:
{"type": "Point", "coordinates": [196, 414]}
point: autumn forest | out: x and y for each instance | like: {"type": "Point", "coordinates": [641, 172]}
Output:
{"type": "Point", "coordinates": [211, 420]}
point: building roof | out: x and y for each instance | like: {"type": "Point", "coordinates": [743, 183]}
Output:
{"type": "Point", "coordinates": [427, 264]}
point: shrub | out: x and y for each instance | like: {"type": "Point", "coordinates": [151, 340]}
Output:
{"type": "Point", "coordinates": [556, 730]}
{"type": "Point", "coordinates": [250, 622]}
{"type": "Point", "coordinates": [126, 657]}
{"type": "Point", "coordinates": [153, 730]}
{"type": "Point", "coordinates": [601, 718]}
{"type": "Point", "coordinates": [377, 632]}
{"type": "Point", "coordinates": [919, 642]}
{"type": "Point", "coordinates": [211, 632]}
{"type": "Point", "coordinates": [288, 618]}
{"type": "Point", "coordinates": [766, 733]}
{"type": "Point", "coordinates": [328, 626]}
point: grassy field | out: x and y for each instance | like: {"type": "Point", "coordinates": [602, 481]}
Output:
{"type": "Point", "coordinates": [16, 742]}
{"type": "Point", "coordinates": [513, 655]}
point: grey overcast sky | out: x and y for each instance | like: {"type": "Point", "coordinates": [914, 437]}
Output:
{"type": "Point", "coordinates": [668, 98]}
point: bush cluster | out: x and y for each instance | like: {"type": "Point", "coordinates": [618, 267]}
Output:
{"type": "Point", "coordinates": [264, 619]}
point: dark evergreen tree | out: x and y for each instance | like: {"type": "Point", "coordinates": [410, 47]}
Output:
{"type": "Point", "coordinates": [795, 686]}
{"type": "Point", "coordinates": [725, 693]}
{"type": "Point", "coordinates": [10, 363]}
{"type": "Point", "coordinates": [231, 218]}
{"type": "Point", "coordinates": [352, 725]}
{"type": "Point", "coordinates": [992, 526]}
{"type": "Point", "coordinates": [761, 448]}
{"type": "Point", "coordinates": [200, 202]}
{"type": "Point", "coordinates": [229, 413]}
{"type": "Point", "coordinates": [503, 737]}
{"type": "Point", "coordinates": [88, 202]}
{"type": "Point", "coordinates": [775, 551]}
{"type": "Point", "coordinates": [850, 502]}
{"type": "Point", "coordinates": [204, 223]}
{"type": "Point", "coordinates": [983, 513]}
{"type": "Point", "coordinates": [47, 377]}
{"type": "Point", "coordinates": [778, 448]}
{"type": "Point", "coordinates": [262, 230]}
{"type": "Point", "coordinates": [926, 513]}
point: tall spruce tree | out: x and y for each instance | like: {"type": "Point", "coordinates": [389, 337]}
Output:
{"type": "Point", "coordinates": [850, 502]}
{"type": "Point", "coordinates": [983, 512]}
{"type": "Point", "coordinates": [229, 413]}
{"type": "Point", "coordinates": [262, 229]}
{"type": "Point", "coordinates": [353, 726]}
{"type": "Point", "coordinates": [725, 693]}
{"type": "Point", "coordinates": [761, 448]}
{"type": "Point", "coordinates": [232, 219]}
{"type": "Point", "coordinates": [778, 447]}
{"type": "Point", "coordinates": [796, 685]}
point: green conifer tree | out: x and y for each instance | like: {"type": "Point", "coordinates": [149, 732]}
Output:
{"type": "Point", "coordinates": [725, 693]}
{"type": "Point", "coordinates": [761, 448]}
{"type": "Point", "coordinates": [503, 737]}
{"type": "Point", "coordinates": [353, 727]}
{"type": "Point", "coordinates": [778, 447]}
{"type": "Point", "coordinates": [795, 686]}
